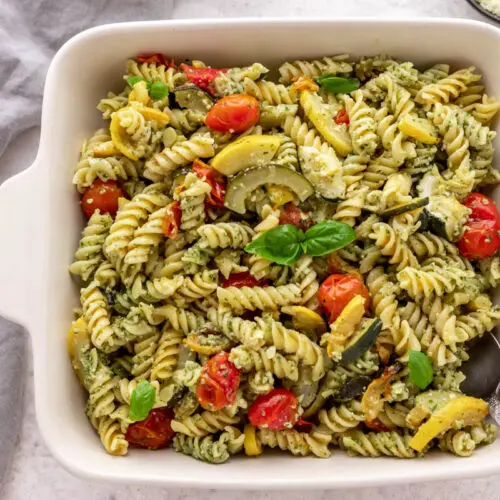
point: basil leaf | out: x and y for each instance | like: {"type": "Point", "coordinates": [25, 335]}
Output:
{"type": "Point", "coordinates": [280, 245]}
{"type": "Point", "coordinates": [338, 84]}
{"type": "Point", "coordinates": [132, 80]}
{"type": "Point", "coordinates": [421, 373]}
{"type": "Point", "coordinates": [158, 91]}
{"type": "Point", "coordinates": [326, 237]}
{"type": "Point", "coordinates": [141, 401]}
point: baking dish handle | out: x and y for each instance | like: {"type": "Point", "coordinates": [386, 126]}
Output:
{"type": "Point", "coordinates": [19, 226]}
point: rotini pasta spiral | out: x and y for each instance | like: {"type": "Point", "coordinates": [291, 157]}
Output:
{"type": "Point", "coordinates": [113, 102]}
{"type": "Point", "coordinates": [264, 360]}
{"type": "Point", "coordinates": [181, 153]}
{"type": "Point", "coordinates": [361, 124]}
{"type": "Point", "coordinates": [383, 294]}
{"type": "Point", "coordinates": [313, 69]}
{"type": "Point", "coordinates": [204, 423]}
{"type": "Point", "coordinates": [298, 443]}
{"type": "Point", "coordinates": [225, 235]}
{"type": "Point", "coordinates": [391, 245]}
{"type": "Point", "coordinates": [342, 418]}
{"type": "Point", "coordinates": [166, 355]}
{"type": "Point", "coordinates": [350, 209]}
{"type": "Point", "coordinates": [154, 72]}
{"type": "Point", "coordinates": [376, 444]}
{"type": "Point", "coordinates": [89, 254]}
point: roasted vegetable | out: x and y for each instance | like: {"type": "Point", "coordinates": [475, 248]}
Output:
{"type": "Point", "coordinates": [304, 319]}
{"type": "Point", "coordinates": [320, 116]}
{"type": "Point", "coordinates": [251, 444]}
{"type": "Point", "coordinates": [420, 129]}
{"type": "Point", "coordinates": [78, 341]}
{"type": "Point", "coordinates": [406, 207]}
{"type": "Point", "coordinates": [459, 412]}
{"type": "Point", "coordinates": [246, 152]}
{"type": "Point", "coordinates": [353, 388]}
{"type": "Point", "coordinates": [446, 216]}
{"type": "Point", "coordinates": [193, 98]}
{"type": "Point", "coordinates": [323, 171]}
{"type": "Point", "coordinates": [362, 340]}
{"type": "Point", "coordinates": [241, 186]}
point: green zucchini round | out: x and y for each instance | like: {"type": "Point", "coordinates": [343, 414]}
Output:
{"type": "Point", "coordinates": [406, 207]}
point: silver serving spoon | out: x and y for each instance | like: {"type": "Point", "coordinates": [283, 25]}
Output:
{"type": "Point", "coordinates": [483, 373]}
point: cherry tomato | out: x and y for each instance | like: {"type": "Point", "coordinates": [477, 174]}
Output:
{"type": "Point", "coordinates": [336, 292]}
{"type": "Point", "coordinates": [155, 59]}
{"type": "Point", "coordinates": [101, 196]}
{"type": "Point", "coordinates": [341, 118]}
{"type": "Point", "coordinates": [202, 77]}
{"type": "Point", "coordinates": [218, 383]}
{"type": "Point", "coordinates": [233, 113]}
{"type": "Point", "coordinates": [483, 208]}
{"type": "Point", "coordinates": [172, 220]}
{"type": "Point", "coordinates": [291, 214]}
{"type": "Point", "coordinates": [303, 425]}
{"type": "Point", "coordinates": [276, 410]}
{"type": "Point", "coordinates": [480, 239]}
{"type": "Point", "coordinates": [243, 279]}
{"type": "Point", "coordinates": [214, 179]}
{"type": "Point", "coordinates": [153, 433]}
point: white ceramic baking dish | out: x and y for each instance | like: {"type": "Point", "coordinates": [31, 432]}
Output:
{"type": "Point", "coordinates": [40, 223]}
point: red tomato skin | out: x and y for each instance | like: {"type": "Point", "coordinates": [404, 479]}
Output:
{"type": "Point", "coordinates": [101, 196]}
{"type": "Point", "coordinates": [342, 118]}
{"type": "Point", "coordinates": [376, 425]}
{"type": "Point", "coordinates": [277, 410]}
{"type": "Point", "coordinates": [233, 113]}
{"type": "Point", "coordinates": [202, 77]}
{"type": "Point", "coordinates": [303, 425]}
{"type": "Point", "coordinates": [483, 208]}
{"type": "Point", "coordinates": [336, 292]}
{"type": "Point", "coordinates": [480, 239]}
{"type": "Point", "coordinates": [172, 220]}
{"type": "Point", "coordinates": [218, 383]}
{"type": "Point", "coordinates": [291, 214]}
{"type": "Point", "coordinates": [155, 59]}
{"type": "Point", "coordinates": [243, 279]}
{"type": "Point", "coordinates": [216, 181]}
{"type": "Point", "coordinates": [153, 433]}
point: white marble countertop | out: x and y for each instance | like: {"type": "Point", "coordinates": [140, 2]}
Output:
{"type": "Point", "coordinates": [35, 474]}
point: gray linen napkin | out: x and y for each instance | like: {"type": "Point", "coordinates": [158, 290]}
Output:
{"type": "Point", "coordinates": [31, 31]}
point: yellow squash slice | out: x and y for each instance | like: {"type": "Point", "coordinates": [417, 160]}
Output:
{"type": "Point", "coordinates": [279, 195]}
{"type": "Point", "coordinates": [303, 319]}
{"type": "Point", "coordinates": [104, 150]}
{"type": "Point", "coordinates": [464, 410]}
{"type": "Point", "coordinates": [245, 152]}
{"type": "Point", "coordinates": [78, 340]}
{"type": "Point", "coordinates": [322, 119]}
{"type": "Point", "coordinates": [419, 128]}
{"type": "Point", "coordinates": [344, 326]}
{"type": "Point", "coordinates": [252, 444]}
{"type": "Point", "coordinates": [119, 136]}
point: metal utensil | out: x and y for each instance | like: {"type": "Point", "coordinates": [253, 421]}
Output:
{"type": "Point", "coordinates": [483, 373]}
{"type": "Point", "coordinates": [484, 11]}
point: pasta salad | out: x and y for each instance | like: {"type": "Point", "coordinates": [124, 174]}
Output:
{"type": "Point", "coordinates": [299, 262]}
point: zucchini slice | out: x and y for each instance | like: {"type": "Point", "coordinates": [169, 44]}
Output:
{"type": "Point", "coordinates": [246, 152]}
{"type": "Point", "coordinates": [242, 185]}
{"type": "Point", "coordinates": [420, 129]}
{"type": "Point", "coordinates": [406, 207]}
{"type": "Point", "coordinates": [323, 171]}
{"type": "Point", "coordinates": [362, 340]}
{"type": "Point", "coordinates": [321, 117]}
{"type": "Point", "coordinates": [193, 98]}
{"type": "Point", "coordinates": [446, 217]}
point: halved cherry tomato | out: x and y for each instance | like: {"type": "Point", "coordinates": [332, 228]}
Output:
{"type": "Point", "coordinates": [155, 59]}
{"type": "Point", "coordinates": [172, 220]}
{"type": "Point", "coordinates": [218, 383]}
{"type": "Point", "coordinates": [303, 425]}
{"type": "Point", "coordinates": [480, 239]}
{"type": "Point", "coordinates": [202, 77]}
{"type": "Point", "coordinates": [234, 113]}
{"type": "Point", "coordinates": [216, 181]}
{"type": "Point", "coordinates": [153, 433]}
{"type": "Point", "coordinates": [341, 118]}
{"type": "Point", "coordinates": [336, 292]}
{"type": "Point", "coordinates": [101, 196]}
{"type": "Point", "coordinates": [276, 410]}
{"type": "Point", "coordinates": [483, 208]}
{"type": "Point", "coordinates": [291, 214]}
{"type": "Point", "coordinates": [243, 279]}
